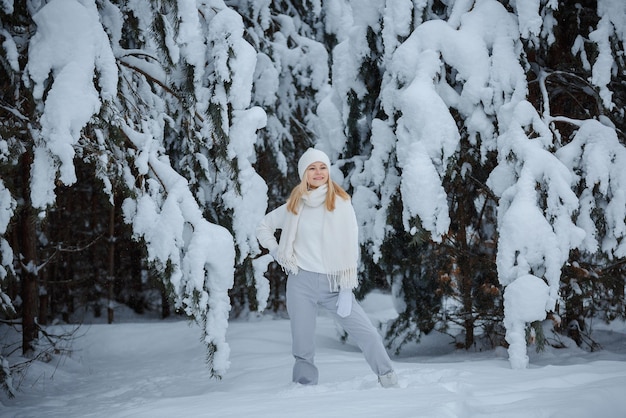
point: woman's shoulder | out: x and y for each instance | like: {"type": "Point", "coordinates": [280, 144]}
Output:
{"type": "Point", "coordinates": [276, 217]}
{"type": "Point", "coordinates": [280, 209]}
{"type": "Point", "coordinates": [343, 201]}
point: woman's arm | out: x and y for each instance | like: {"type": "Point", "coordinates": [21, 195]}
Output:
{"type": "Point", "coordinates": [268, 226]}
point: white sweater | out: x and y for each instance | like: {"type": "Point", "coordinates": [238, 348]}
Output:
{"type": "Point", "coordinates": [308, 242]}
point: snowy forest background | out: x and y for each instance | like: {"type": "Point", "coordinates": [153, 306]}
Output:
{"type": "Point", "coordinates": [482, 142]}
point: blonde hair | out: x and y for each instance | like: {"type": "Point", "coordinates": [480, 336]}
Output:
{"type": "Point", "coordinates": [301, 189]}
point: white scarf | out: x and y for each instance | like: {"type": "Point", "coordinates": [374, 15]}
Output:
{"type": "Point", "coordinates": [340, 240]}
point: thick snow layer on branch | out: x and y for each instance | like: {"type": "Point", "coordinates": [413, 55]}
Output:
{"type": "Point", "coordinates": [189, 40]}
{"type": "Point", "coordinates": [396, 24]}
{"type": "Point", "coordinates": [529, 19]}
{"type": "Point", "coordinates": [7, 209]}
{"type": "Point", "coordinates": [377, 173]}
{"type": "Point", "coordinates": [201, 255]}
{"type": "Point", "coordinates": [534, 238]}
{"type": "Point", "coordinates": [612, 25]}
{"type": "Point", "coordinates": [234, 59]}
{"type": "Point", "coordinates": [525, 301]}
{"type": "Point", "coordinates": [599, 157]}
{"type": "Point", "coordinates": [424, 129]}
{"type": "Point", "coordinates": [10, 50]}
{"type": "Point", "coordinates": [250, 201]}
{"type": "Point", "coordinates": [615, 11]}
{"type": "Point", "coordinates": [69, 48]}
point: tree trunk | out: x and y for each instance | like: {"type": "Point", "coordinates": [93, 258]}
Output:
{"type": "Point", "coordinates": [465, 271]}
{"type": "Point", "coordinates": [111, 265]}
{"type": "Point", "coordinates": [28, 252]}
{"type": "Point", "coordinates": [29, 311]}
{"type": "Point", "coordinates": [166, 310]}
{"type": "Point", "coordinates": [43, 308]}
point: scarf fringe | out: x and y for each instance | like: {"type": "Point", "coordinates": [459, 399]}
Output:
{"type": "Point", "coordinates": [343, 279]}
{"type": "Point", "coordinates": [289, 265]}
{"type": "Point", "coordinates": [337, 280]}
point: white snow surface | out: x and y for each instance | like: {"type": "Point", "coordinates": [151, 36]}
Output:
{"type": "Point", "coordinates": [151, 368]}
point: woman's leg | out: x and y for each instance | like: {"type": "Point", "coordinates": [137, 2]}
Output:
{"type": "Point", "coordinates": [302, 291]}
{"type": "Point", "coordinates": [360, 328]}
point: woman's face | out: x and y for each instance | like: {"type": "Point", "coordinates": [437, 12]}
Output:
{"type": "Point", "coordinates": [316, 174]}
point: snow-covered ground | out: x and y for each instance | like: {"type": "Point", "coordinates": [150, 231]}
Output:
{"type": "Point", "coordinates": [149, 368]}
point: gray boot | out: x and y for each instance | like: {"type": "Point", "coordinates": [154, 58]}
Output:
{"type": "Point", "coordinates": [389, 380]}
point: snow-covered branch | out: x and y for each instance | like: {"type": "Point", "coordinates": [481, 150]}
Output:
{"type": "Point", "coordinates": [199, 255]}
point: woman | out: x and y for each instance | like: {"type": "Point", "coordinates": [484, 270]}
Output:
{"type": "Point", "coordinates": [319, 249]}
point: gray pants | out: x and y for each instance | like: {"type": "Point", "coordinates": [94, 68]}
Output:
{"type": "Point", "coordinates": [306, 292]}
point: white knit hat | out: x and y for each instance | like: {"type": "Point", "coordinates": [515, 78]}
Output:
{"type": "Point", "coordinates": [309, 157]}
